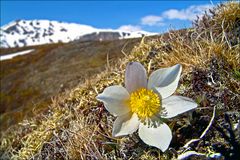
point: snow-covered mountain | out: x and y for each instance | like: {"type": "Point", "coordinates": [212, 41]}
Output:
{"type": "Point", "coordinates": [34, 32]}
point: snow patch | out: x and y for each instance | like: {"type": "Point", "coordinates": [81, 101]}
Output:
{"type": "Point", "coordinates": [12, 55]}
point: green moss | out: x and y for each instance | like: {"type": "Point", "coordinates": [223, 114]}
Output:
{"type": "Point", "coordinates": [236, 74]}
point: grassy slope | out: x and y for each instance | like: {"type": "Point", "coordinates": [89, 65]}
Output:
{"type": "Point", "coordinates": [77, 126]}
{"type": "Point", "coordinates": [31, 80]}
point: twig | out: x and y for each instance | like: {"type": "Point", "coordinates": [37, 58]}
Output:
{"type": "Point", "coordinates": [188, 154]}
{"type": "Point", "coordinates": [224, 34]}
{"type": "Point", "coordinates": [149, 66]}
{"type": "Point", "coordinates": [123, 49]}
{"type": "Point", "coordinates": [210, 123]}
{"type": "Point", "coordinates": [211, 76]}
{"type": "Point", "coordinates": [108, 65]}
{"type": "Point", "coordinates": [189, 142]}
{"type": "Point", "coordinates": [186, 146]}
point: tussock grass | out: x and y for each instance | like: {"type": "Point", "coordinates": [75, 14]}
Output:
{"type": "Point", "coordinates": [78, 127]}
{"type": "Point", "coordinates": [221, 22]}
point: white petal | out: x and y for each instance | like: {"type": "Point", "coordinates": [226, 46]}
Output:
{"type": "Point", "coordinates": [135, 77]}
{"type": "Point", "coordinates": [175, 105]}
{"type": "Point", "coordinates": [159, 137]}
{"type": "Point", "coordinates": [114, 99]}
{"type": "Point", "coordinates": [165, 80]}
{"type": "Point", "coordinates": [125, 124]}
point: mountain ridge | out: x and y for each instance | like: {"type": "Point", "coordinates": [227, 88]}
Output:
{"type": "Point", "coordinates": [22, 33]}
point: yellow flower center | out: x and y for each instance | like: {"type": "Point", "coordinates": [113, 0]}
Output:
{"type": "Point", "coordinates": [145, 103]}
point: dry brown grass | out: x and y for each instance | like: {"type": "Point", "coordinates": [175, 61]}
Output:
{"type": "Point", "coordinates": [221, 22]}
{"type": "Point", "coordinates": [78, 127]}
{"type": "Point", "coordinates": [32, 79]}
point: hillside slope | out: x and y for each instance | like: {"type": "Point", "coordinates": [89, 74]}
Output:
{"type": "Point", "coordinates": [31, 80]}
{"type": "Point", "coordinates": [77, 126]}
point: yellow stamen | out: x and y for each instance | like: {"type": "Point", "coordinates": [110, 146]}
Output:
{"type": "Point", "coordinates": [145, 103]}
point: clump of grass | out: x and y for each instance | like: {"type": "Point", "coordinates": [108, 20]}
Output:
{"type": "Point", "coordinates": [208, 74]}
{"type": "Point", "coordinates": [27, 138]}
{"type": "Point", "coordinates": [221, 22]}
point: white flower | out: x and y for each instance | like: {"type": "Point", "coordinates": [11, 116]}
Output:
{"type": "Point", "coordinates": [144, 103]}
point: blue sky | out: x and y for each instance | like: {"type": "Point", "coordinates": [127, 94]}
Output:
{"type": "Point", "coordinates": [153, 16]}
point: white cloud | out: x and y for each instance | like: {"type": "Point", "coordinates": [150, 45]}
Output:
{"type": "Point", "coordinates": [189, 13]}
{"type": "Point", "coordinates": [130, 28]}
{"type": "Point", "coordinates": [164, 18]}
{"type": "Point", "coordinates": [152, 20]}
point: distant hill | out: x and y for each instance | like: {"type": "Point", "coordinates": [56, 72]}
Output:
{"type": "Point", "coordinates": [21, 33]}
